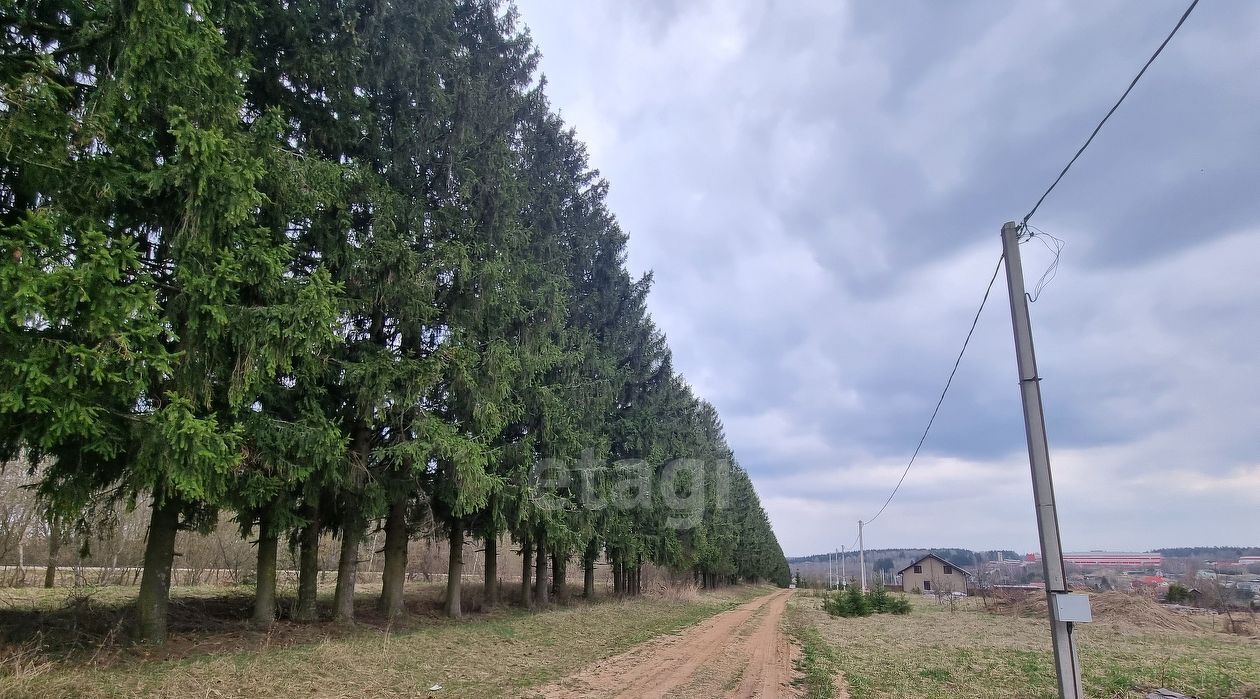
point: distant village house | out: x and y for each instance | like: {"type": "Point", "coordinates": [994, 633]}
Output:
{"type": "Point", "coordinates": [934, 574]}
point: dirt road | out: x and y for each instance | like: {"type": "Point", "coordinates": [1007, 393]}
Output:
{"type": "Point", "coordinates": [739, 653]}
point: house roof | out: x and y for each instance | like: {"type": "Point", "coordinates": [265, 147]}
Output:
{"type": "Point", "coordinates": [942, 560]}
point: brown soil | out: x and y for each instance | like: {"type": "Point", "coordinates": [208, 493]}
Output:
{"type": "Point", "coordinates": [740, 653]}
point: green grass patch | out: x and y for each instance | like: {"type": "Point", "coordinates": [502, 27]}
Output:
{"type": "Point", "coordinates": [936, 675]}
{"type": "Point", "coordinates": [816, 663]}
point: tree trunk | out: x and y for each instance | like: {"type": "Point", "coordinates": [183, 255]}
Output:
{"type": "Point", "coordinates": [527, 554]}
{"type": "Point", "coordinates": [265, 587]}
{"type": "Point", "coordinates": [492, 570]}
{"type": "Point", "coordinates": [588, 570]}
{"type": "Point", "coordinates": [352, 523]}
{"type": "Point", "coordinates": [540, 585]}
{"type": "Point", "coordinates": [308, 567]}
{"type": "Point", "coordinates": [455, 571]}
{"type": "Point", "coordinates": [554, 590]}
{"type": "Point", "coordinates": [54, 545]}
{"type": "Point", "coordinates": [155, 584]}
{"type": "Point", "coordinates": [560, 576]}
{"type": "Point", "coordinates": [347, 567]}
{"type": "Point", "coordinates": [395, 573]}
{"type": "Point", "coordinates": [618, 589]}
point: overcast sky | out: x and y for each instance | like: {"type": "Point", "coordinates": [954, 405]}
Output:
{"type": "Point", "coordinates": [819, 187]}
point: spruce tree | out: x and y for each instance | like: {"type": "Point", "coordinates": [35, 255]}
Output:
{"type": "Point", "coordinates": [332, 264]}
{"type": "Point", "coordinates": [180, 182]}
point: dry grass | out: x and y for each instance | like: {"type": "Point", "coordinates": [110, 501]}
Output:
{"type": "Point", "coordinates": [1111, 607]}
{"type": "Point", "coordinates": [674, 591]}
{"type": "Point", "coordinates": [496, 653]}
{"type": "Point", "coordinates": [975, 653]}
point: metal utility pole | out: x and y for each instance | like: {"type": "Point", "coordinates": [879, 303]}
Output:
{"type": "Point", "coordinates": [1065, 609]}
{"type": "Point", "coordinates": [830, 570]}
{"type": "Point", "coordinates": [861, 556]}
{"type": "Point", "coordinates": [844, 581]}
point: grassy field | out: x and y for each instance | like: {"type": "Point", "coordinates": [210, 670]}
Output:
{"type": "Point", "coordinates": [213, 654]}
{"type": "Point", "coordinates": [971, 652]}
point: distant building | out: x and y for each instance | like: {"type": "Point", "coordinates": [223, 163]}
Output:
{"type": "Point", "coordinates": [931, 573]}
{"type": "Point", "coordinates": [1249, 560]}
{"type": "Point", "coordinates": [1108, 559]}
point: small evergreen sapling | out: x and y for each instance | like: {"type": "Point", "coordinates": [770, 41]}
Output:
{"type": "Point", "coordinates": [853, 602]}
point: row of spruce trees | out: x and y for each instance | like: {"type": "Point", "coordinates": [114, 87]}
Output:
{"type": "Point", "coordinates": [331, 265]}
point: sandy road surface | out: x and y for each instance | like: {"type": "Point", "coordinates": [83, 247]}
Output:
{"type": "Point", "coordinates": [738, 653]}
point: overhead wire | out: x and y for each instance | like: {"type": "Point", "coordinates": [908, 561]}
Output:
{"type": "Point", "coordinates": [944, 392]}
{"type": "Point", "coordinates": [1111, 111]}
{"type": "Point", "coordinates": [1027, 232]}
{"type": "Point", "coordinates": [1055, 247]}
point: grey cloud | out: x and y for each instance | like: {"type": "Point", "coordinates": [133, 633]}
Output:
{"type": "Point", "coordinates": [819, 187]}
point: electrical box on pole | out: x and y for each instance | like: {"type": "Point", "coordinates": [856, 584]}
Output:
{"type": "Point", "coordinates": [1064, 609]}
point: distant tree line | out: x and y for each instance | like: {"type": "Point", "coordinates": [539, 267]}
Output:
{"type": "Point", "coordinates": [332, 266]}
{"type": "Point", "coordinates": [1212, 552]}
{"type": "Point", "coordinates": [960, 557]}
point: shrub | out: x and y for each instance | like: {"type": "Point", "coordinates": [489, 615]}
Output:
{"type": "Point", "coordinates": [1177, 594]}
{"type": "Point", "coordinates": [853, 602]}
{"type": "Point", "coordinates": [847, 603]}
{"type": "Point", "coordinates": [879, 599]}
{"type": "Point", "coordinates": [858, 602]}
{"type": "Point", "coordinates": [834, 604]}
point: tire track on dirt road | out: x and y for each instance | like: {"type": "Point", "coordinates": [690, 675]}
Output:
{"type": "Point", "coordinates": [740, 653]}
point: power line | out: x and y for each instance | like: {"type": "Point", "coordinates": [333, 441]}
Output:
{"type": "Point", "coordinates": [944, 391]}
{"type": "Point", "coordinates": [1052, 270]}
{"type": "Point", "coordinates": [1112, 110]}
